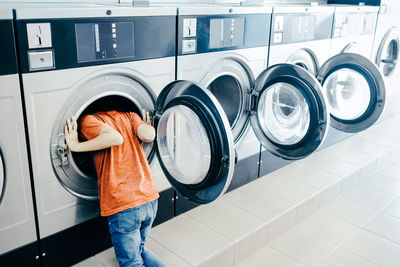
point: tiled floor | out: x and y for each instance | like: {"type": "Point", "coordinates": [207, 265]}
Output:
{"type": "Point", "coordinates": [339, 207]}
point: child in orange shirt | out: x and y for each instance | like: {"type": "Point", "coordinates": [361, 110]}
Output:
{"type": "Point", "coordinates": [127, 192]}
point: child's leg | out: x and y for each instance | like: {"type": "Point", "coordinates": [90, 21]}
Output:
{"type": "Point", "coordinates": [149, 258]}
{"type": "Point", "coordinates": [126, 236]}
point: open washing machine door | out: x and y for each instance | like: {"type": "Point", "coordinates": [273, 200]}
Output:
{"type": "Point", "coordinates": [288, 111]}
{"type": "Point", "coordinates": [194, 141]}
{"type": "Point", "coordinates": [388, 52]}
{"type": "Point", "coordinates": [354, 90]}
{"type": "Point", "coordinates": [2, 176]}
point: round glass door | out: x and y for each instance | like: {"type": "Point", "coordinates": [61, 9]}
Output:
{"type": "Point", "coordinates": [290, 117]}
{"type": "Point", "coordinates": [354, 91]}
{"type": "Point", "coordinates": [388, 52]}
{"type": "Point", "coordinates": [76, 171]}
{"type": "Point", "coordinates": [2, 176]}
{"type": "Point", "coordinates": [194, 142]}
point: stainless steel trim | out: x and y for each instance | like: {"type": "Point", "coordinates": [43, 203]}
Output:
{"type": "Point", "coordinates": [2, 176]}
{"type": "Point", "coordinates": [356, 9]}
{"type": "Point", "coordinates": [6, 13]}
{"type": "Point", "coordinates": [92, 11]}
{"type": "Point", "coordinates": [223, 10]}
{"type": "Point", "coordinates": [303, 9]}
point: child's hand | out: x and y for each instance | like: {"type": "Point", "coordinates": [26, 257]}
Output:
{"type": "Point", "coordinates": [146, 117]}
{"type": "Point", "coordinates": [71, 133]}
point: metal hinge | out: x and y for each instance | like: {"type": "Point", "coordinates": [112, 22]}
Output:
{"type": "Point", "coordinates": [59, 150]}
{"type": "Point", "coordinates": [253, 101]}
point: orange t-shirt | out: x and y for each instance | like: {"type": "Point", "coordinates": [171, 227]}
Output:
{"type": "Point", "coordinates": [123, 173]}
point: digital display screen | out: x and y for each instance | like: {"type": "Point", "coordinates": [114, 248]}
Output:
{"type": "Point", "coordinates": [303, 28]}
{"type": "Point", "coordinates": [226, 32]}
{"type": "Point", "coordinates": [106, 40]}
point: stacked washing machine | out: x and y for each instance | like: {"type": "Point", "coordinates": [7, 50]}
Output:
{"type": "Point", "coordinates": [300, 38]}
{"type": "Point", "coordinates": [353, 85]}
{"type": "Point", "coordinates": [18, 240]}
{"type": "Point", "coordinates": [386, 54]}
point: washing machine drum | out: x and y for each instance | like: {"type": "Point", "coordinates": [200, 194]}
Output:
{"type": "Point", "coordinates": [76, 171]}
{"type": "Point", "coordinates": [289, 115]}
{"type": "Point", "coordinates": [354, 90]}
{"type": "Point", "coordinates": [2, 176]}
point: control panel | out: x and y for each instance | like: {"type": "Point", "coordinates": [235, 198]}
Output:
{"type": "Point", "coordinates": [300, 27]}
{"type": "Point", "coordinates": [62, 43]}
{"type": "Point", "coordinates": [201, 34]}
{"type": "Point", "coordinates": [356, 23]}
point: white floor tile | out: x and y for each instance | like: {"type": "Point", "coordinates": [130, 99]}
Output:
{"type": "Point", "coordinates": [328, 227]}
{"type": "Point", "coordinates": [270, 257]}
{"type": "Point", "coordinates": [308, 207]}
{"type": "Point", "coordinates": [370, 197]}
{"type": "Point", "coordinates": [343, 258]}
{"type": "Point", "coordinates": [247, 245]}
{"type": "Point", "coordinates": [188, 239]}
{"type": "Point", "coordinates": [383, 183]}
{"type": "Point", "coordinates": [91, 262]}
{"type": "Point", "coordinates": [284, 187]}
{"type": "Point", "coordinates": [385, 226]}
{"type": "Point", "coordinates": [302, 246]}
{"type": "Point", "coordinates": [281, 224]}
{"type": "Point", "coordinates": [393, 209]}
{"type": "Point", "coordinates": [382, 130]}
{"type": "Point", "coordinates": [166, 256]}
{"type": "Point", "coordinates": [226, 219]}
{"type": "Point", "coordinates": [222, 259]}
{"type": "Point", "coordinates": [331, 165]}
{"type": "Point", "coordinates": [350, 211]}
{"type": "Point", "coordinates": [374, 248]}
{"type": "Point", "coordinates": [391, 171]}
{"type": "Point", "coordinates": [258, 203]}
{"type": "Point", "coordinates": [330, 194]}
{"type": "Point", "coordinates": [349, 155]}
{"type": "Point", "coordinates": [377, 139]}
{"type": "Point", "coordinates": [364, 147]}
{"type": "Point", "coordinates": [310, 175]}
{"type": "Point", "coordinates": [107, 258]}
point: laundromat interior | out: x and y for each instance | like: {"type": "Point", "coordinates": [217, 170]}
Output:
{"type": "Point", "coordinates": [277, 129]}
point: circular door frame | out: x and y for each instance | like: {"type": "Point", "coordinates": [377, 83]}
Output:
{"type": "Point", "coordinates": [235, 68]}
{"type": "Point", "coordinates": [391, 35]}
{"type": "Point", "coordinates": [203, 103]}
{"type": "Point", "coordinates": [292, 59]}
{"type": "Point", "coordinates": [3, 176]}
{"type": "Point", "coordinates": [62, 159]}
{"type": "Point", "coordinates": [374, 78]}
{"type": "Point", "coordinates": [311, 91]}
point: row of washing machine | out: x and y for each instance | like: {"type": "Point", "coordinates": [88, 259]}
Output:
{"type": "Point", "coordinates": [261, 86]}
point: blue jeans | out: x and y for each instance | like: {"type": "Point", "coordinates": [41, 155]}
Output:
{"type": "Point", "coordinates": [129, 230]}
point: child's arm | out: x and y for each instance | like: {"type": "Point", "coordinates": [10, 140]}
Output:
{"type": "Point", "coordinates": [108, 137]}
{"type": "Point", "coordinates": [145, 131]}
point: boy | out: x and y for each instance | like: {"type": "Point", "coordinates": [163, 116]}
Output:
{"type": "Point", "coordinates": [127, 192]}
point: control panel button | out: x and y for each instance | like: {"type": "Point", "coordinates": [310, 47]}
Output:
{"type": "Point", "coordinates": [39, 60]}
{"type": "Point", "coordinates": [189, 27]}
{"type": "Point", "coordinates": [39, 35]}
{"type": "Point", "coordinates": [277, 37]}
{"type": "Point", "coordinates": [189, 46]}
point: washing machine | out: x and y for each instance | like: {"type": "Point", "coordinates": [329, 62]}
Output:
{"type": "Point", "coordinates": [224, 48]}
{"type": "Point", "coordinates": [354, 29]}
{"type": "Point", "coordinates": [75, 60]}
{"type": "Point", "coordinates": [353, 85]}
{"type": "Point", "coordinates": [300, 35]}
{"type": "Point", "coordinates": [386, 54]}
{"type": "Point", "coordinates": [18, 240]}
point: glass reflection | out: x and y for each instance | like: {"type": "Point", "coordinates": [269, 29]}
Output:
{"type": "Point", "coordinates": [348, 94]}
{"type": "Point", "coordinates": [184, 145]}
{"type": "Point", "coordinates": [283, 114]}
